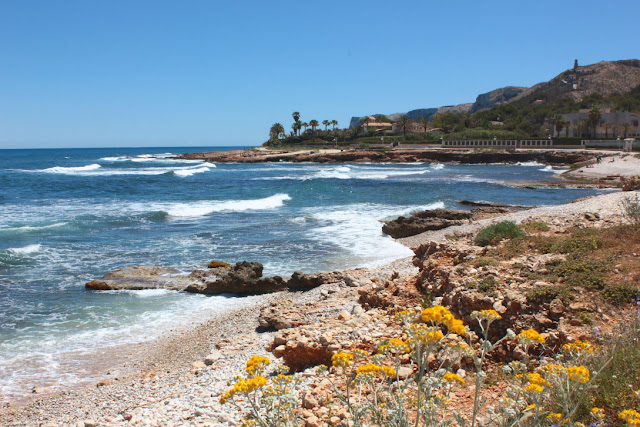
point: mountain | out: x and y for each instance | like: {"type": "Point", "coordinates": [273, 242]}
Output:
{"type": "Point", "coordinates": [606, 78]}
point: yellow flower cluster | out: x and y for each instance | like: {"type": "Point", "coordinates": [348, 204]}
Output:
{"type": "Point", "coordinates": [424, 334]}
{"type": "Point", "coordinates": [578, 347]}
{"type": "Point", "coordinates": [394, 345]}
{"type": "Point", "coordinates": [554, 417]}
{"type": "Point", "coordinates": [341, 359]}
{"type": "Point", "coordinates": [450, 377]}
{"type": "Point", "coordinates": [530, 336]}
{"type": "Point", "coordinates": [245, 387]}
{"type": "Point", "coordinates": [360, 353]}
{"type": "Point", "coordinates": [579, 374]}
{"type": "Point", "coordinates": [489, 315]}
{"type": "Point", "coordinates": [630, 416]}
{"type": "Point", "coordinates": [406, 316]}
{"type": "Point", "coordinates": [373, 369]}
{"type": "Point", "coordinates": [257, 364]}
{"type": "Point", "coordinates": [598, 413]}
{"type": "Point", "coordinates": [440, 315]}
{"type": "Point", "coordinates": [531, 407]}
{"type": "Point", "coordinates": [536, 383]}
{"type": "Point", "coordinates": [552, 368]}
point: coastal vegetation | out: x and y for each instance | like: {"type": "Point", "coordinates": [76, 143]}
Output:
{"type": "Point", "coordinates": [532, 116]}
{"type": "Point", "coordinates": [471, 368]}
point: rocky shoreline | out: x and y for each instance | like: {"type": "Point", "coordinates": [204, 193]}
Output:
{"type": "Point", "coordinates": [550, 157]}
{"type": "Point", "coordinates": [177, 379]}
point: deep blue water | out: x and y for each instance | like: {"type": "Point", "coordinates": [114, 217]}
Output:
{"type": "Point", "coordinates": [67, 216]}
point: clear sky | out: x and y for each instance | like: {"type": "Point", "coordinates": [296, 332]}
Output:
{"type": "Point", "coordinates": [152, 72]}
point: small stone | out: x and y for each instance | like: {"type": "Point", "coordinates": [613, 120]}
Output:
{"type": "Point", "coordinates": [404, 372]}
{"type": "Point", "coordinates": [334, 420]}
{"type": "Point", "coordinates": [344, 316]}
{"type": "Point", "coordinates": [212, 358]}
{"type": "Point", "coordinates": [198, 412]}
{"type": "Point", "coordinates": [309, 402]}
{"type": "Point", "coordinates": [198, 365]}
{"type": "Point", "coordinates": [461, 373]}
{"type": "Point", "coordinates": [103, 383]}
{"type": "Point", "coordinates": [312, 422]}
{"type": "Point", "coordinates": [89, 423]}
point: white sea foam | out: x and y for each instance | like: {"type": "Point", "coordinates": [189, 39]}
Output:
{"type": "Point", "coordinates": [188, 172]}
{"type": "Point", "coordinates": [147, 158]}
{"type": "Point", "coordinates": [534, 163]}
{"type": "Point", "coordinates": [27, 228]}
{"type": "Point", "coordinates": [70, 170]}
{"type": "Point", "coordinates": [556, 170]}
{"type": "Point", "coordinates": [197, 209]}
{"type": "Point", "coordinates": [353, 172]}
{"type": "Point", "coordinates": [437, 166]}
{"type": "Point", "coordinates": [97, 170]}
{"type": "Point", "coordinates": [26, 250]}
{"type": "Point", "coordinates": [357, 229]}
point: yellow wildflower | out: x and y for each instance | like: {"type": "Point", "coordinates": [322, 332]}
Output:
{"type": "Point", "coordinates": [341, 359]}
{"type": "Point", "coordinates": [245, 387]}
{"type": "Point", "coordinates": [257, 364]}
{"type": "Point", "coordinates": [373, 369]}
{"type": "Point", "coordinates": [437, 314]}
{"type": "Point", "coordinates": [450, 377]}
{"type": "Point", "coordinates": [554, 417]}
{"type": "Point", "coordinates": [536, 388]}
{"type": "Point", "coordinates": [489, 315]}
{"type": "Point", "coordinates": [630, 416]}
{"type": "Point", "coordinates": [424, 334]}
{"type": "Point", "coordinates": [531, 407]}
{"type": "Point", "coordinates": [552, 368]}
{"type": "Point", "coordinates": [579, 374]}
{"type": "Point", "coordinates": [406, 316]}
{"type": "Point", "coordinates": [530, 336]}
{"type": "Point", "coordinates": [578, 347]}
{"type": "Point", "coordinates": [536, 378]}
{"type": "Point", "coordinates": [598, 413]}
{"type": "Point", "coordinates": [359, 353]}
{"type": "Point", "coordinates": [457, 327]}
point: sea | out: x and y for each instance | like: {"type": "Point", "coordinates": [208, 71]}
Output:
{"type": "Point", "coordinates": [68, 216]}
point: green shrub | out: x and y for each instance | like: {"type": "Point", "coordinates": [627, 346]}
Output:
{"type": "Point", "coordinates": [536, 226]}
{"type": "Point", "coordinates": [542, 294]}
{"type": "Point", "coordinates": [488, 285]}
{"type": "Point", "coordinates": [483, 261]}
{"type": "Point", "coordinates": [497, 232]}
{"type": "Point", "coordinates": [620, 293]}
{"type": "Point", "coordinates": [631, 211]}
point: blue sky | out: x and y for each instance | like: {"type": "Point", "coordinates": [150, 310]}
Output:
{"type": "Point", "coordinates": [153, 73]}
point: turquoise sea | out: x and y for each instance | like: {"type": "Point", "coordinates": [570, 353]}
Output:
{"type": "Point", "coordinates": [68, 216]}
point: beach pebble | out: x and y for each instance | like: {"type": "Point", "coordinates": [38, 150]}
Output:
{"type": "Point", "coordinates": [212, 358]}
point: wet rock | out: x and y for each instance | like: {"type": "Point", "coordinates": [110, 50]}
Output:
{"type": "Point", "coordinates": [139, 277]}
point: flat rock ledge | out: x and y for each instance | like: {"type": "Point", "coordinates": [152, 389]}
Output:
{"type": "Point", "coordinates": [244, 278]}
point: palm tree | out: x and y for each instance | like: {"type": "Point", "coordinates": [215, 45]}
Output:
{"type": "Point", "coordinates": [334, 123]}
{"type": "Point", "coordinates": [313, 124]}
{"type": "Point", "coordinates": [404, 123]}
{"type": "Point", "coordinates": [276, 130]}
{"type": "Point", "coordinates": [557, 121]}
{"type": "Point", "coordinates": [566, 124]}
{"type": "Point", "coordinates": [625, 128]}
{"type": "Point", "coordinates": [607, 126]}
{"type": "Point", "coordinates": [326, 123]}
{"type": "Point", "coordinates": [424, 121]}
{"type": "Point", "coordinates": [296, 116]}
{"type": "Point", "coordinates": [364, 122]}
{"type": "Point", "coordinates": [305, 125]}
{"type": "Point", "coordinates": [594, 119]}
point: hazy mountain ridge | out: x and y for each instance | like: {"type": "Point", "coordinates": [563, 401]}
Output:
{"type": "Point", "coordinates": [605, 77]}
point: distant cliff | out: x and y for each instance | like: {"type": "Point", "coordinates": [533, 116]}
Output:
{"type": "Point", "coordinates": [606, 78]}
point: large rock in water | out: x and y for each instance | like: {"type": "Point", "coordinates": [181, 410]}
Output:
{"type": "Point", "coordinates": [139, 277]}
{"type": "Point", "coordinates": [244, 278]}
{"type": "Point", "coordinates": [419, 222]}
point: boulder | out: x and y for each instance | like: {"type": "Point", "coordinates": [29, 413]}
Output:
{"type": "Point", "coordinates": [139, 277]}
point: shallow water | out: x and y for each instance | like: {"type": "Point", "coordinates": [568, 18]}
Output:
{"type": "Point", "coordinates": [68, 216]}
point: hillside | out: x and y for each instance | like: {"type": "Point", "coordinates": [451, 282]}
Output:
{"type": "Point", "coordinates": [606, 78]}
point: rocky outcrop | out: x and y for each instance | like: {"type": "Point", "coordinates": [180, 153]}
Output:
{"type": "Point", "coordinates": [403, 156]}
{"type": "Point", "coordinates": [419, 222]}
{"type": "Point", "coordinates": [244, 278]}
{"type": "Point", "coordinates": [437, 219]}
{"type": "Point", "coordinates": [140, 277]}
